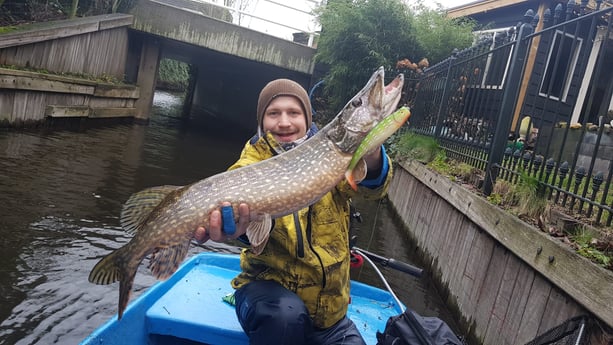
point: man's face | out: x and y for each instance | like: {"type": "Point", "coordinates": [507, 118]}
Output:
{"type": "Point", "coordinates": [284, 118]}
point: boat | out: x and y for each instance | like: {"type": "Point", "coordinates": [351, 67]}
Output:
{"type": "Point", "coordinates": [189, 308]}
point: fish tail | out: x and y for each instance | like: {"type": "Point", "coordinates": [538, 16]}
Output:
{"type": "Point", "coordinates": [125, 288]}
{"type": "Point", "coordinates": [114, 268]}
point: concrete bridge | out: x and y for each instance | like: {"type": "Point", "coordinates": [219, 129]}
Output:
{"type": "Point", "coordinates": [232, 62]}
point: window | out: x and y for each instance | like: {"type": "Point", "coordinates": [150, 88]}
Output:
{"type": "Point", "coordinates": [560, 66]}
{"type": "Point", "coordinates": [497, 62]}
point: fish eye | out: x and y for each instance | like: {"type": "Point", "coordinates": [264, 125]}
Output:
{"type": "Point", "coordinates": [356, 102]}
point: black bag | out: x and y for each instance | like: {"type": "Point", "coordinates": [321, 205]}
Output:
{"type": "Point", "coordinates": [410, 328]}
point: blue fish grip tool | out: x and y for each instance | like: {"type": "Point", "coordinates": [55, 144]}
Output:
{"type": "Point", "coordinates": [227, 219]}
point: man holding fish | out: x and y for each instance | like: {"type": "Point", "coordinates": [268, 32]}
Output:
{"type": "Point", "coordinates": [296, 291]}
{"type": "Point", "coordinates": [288, 197]}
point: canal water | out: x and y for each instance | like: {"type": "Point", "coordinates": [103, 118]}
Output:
{"type": "Point", "coordinates": [61, 191]}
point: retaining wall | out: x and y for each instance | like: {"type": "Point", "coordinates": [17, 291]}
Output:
{"type": "Point", "coordinates": [510, 281]}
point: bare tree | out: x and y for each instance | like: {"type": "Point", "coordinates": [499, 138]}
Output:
{"type": "Point", "coordinates": [240, 5]}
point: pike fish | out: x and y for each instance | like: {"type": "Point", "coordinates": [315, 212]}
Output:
{"type": "Point", "coordinates": [163, 219]}
{"type": "Point", "coordinates": [375, 138]}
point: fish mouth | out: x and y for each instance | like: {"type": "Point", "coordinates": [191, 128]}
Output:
{"type": "Point", "coordinates": [379, 101]}
{"type": "Point", "coordinates": [373, 103]}
{"type": "Point", "coordinates": [391, 95]}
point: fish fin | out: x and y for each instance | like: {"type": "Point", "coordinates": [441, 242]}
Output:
{"type": "Point", "coordinates": [113, 268]}
{"type": "Point", "coordinates": [350, 180]}
{"type": "Point", "coordinates": [140, 204]}
{"type": "Point", "coordinates": [356, 175]}
{"type": "Point", "coordinates": [258, 233]}
{"type": "Point", "coordinates": [165, 260]}
{"type": "Point", "coordinates": [107, 270]}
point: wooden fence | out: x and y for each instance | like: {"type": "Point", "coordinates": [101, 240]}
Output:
{"type": "Point", "coordinates": [65, 68]}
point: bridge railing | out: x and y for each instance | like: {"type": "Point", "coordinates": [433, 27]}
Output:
{"type": "Point", "coordinates": [272, 17]}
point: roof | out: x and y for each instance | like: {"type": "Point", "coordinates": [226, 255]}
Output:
{"type": "Point", "coordinates": [481, 6]}
{"type": "Point", "coordinates": [484, 6]}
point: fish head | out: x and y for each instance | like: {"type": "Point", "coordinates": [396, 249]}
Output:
{"type": "Point", "coordinates": [367, 108]}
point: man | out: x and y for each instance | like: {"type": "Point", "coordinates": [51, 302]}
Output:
{"type": "Point", "coordinates": [297, 290]}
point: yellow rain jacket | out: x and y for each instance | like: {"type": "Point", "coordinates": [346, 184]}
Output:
{"type": "Point", "coordinates": [314, 261]}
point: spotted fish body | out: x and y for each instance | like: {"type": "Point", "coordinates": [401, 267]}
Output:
{"type": "Point", "coordinates": [164, 219]}
{"type": "Point", "coordinates": [374, 140]}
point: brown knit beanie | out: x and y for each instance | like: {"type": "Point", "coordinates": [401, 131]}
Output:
{"type": "Point", "coordinates": [283, 87]}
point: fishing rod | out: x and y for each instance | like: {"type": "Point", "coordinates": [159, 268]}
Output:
{"type": "Point", "coordinates": [390, 262]}
{"type": "Point", "coordinates": [371, 258]}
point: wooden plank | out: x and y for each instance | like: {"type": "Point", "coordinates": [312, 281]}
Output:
{"type": "Point", "coordinates": [36, 84]}
{"type": "Point", "coordinates": [557, 311]}
{"type": "Point", "coordinates": [407, 185]}
{"type": "Point", "coordinates": [6, 106]}
{"type": "Point", "coordinates": [39, 32]}
{"type": "Point", "coordinates": [455, 282]}
{"type": "Point", "coordinates": [43, 33]}
{"type": "Point", "coordinates": [67, 111]}
{"type": "Point", "coordinates": [428, 218]}
{"type": "Point", "coordinates": [502, 303]}
{"type": "Point", "coordinates": [585, 282]}
{"type": "Point", "coordinates": [441, 234]}
{"type": "Point", "coordinates": [476, 268]}
{"type": "Point", "coordinates": [112, 112]}
{"type": "Point", "coordinates": [19, 105]}
{"type": "Point", "coordinates": [534, 312]}
{"type": "Point", "coordinates": [106, 53]}
{"type": "Point", "coordinates": [35, 107]}
{"type": "Point", "coordinates": [46, 76]}
{"type": "Point", "coordinates": [517, 302]}
{"type": "Point", "coordinates": [488, 293]}
{"type": "Point", "coordinates": [8, 82]}
{"type": "Point", "coordinates": [116, 91]}
{"type": "Point", "coordinates": [454, 222]}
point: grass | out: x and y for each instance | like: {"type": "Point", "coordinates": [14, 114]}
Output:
{"type": "Point", "coordinates": [586, 246]}
{"type": "Point", "coordinates": [7, 29]}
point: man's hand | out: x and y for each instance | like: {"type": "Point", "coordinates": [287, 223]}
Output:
{"type": "Point", "coordinates": [216, 232]}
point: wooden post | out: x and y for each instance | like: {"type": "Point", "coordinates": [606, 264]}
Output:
{"type": "Point", "coordinates": [147, 78]}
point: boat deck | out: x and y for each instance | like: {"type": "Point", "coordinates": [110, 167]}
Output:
{"type": "Point", "coordinates": [189, 306]}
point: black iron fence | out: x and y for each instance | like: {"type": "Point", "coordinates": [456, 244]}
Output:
{"type": "Point", "coordinates": [523, 102]}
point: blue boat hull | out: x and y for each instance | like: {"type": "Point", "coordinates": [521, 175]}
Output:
{"type": "Point", "coordinates": [188, 308]}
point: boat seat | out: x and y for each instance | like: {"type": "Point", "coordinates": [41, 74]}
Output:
{"type": "Point", "coordinates": [196, 311]}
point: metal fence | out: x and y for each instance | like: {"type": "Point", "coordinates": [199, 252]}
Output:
{"type": "Point", "coordinates": [523, 102]}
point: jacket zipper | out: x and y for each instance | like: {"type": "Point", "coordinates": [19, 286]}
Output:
{"type": "Point", "coordinates": [308, 234]}
{"type": "Point", "coordinates": [299, 239]}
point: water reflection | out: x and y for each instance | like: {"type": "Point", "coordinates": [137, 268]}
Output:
{"type": "Point", "coordinates": [61, 192]}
